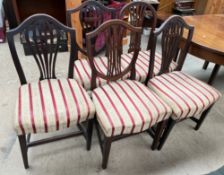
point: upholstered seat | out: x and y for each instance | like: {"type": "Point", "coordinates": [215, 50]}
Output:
{"type": "Point", "coordinates": [142, 64]}
{"type": "Point", "coordinates": [82, 69]}
{"type": "Point", "coordinates": [50, 105]}
{"type": "Point", "coordinates": [186, 95]}
{"type": "Point", "coordinates": [83, 72]}
{"type": "Point", "coordinates": [127, 106]}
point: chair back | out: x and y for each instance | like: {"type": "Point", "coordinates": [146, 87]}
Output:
{"type": "Point", "coordinates": [137, 12]}
{"type": "Point", "coordinates": [91, 15]}
{"type": "Point", "coordinates": [176, 36]}
{"type": "Point", "coordinates": [43, 35]}
{"type": "Point", "coordinates": [114, 31]}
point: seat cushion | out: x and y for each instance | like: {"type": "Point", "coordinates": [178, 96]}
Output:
{"type": "Point", "coordinates": [127, 106]}
{"type": "Point", "coordinates": [142, 64]}
{"type": "Point", "coordinates": [50, 105]}
{"type": "Point", "coordinates": [83, 73]}
{"type": "Point", "coordinates": [186, 95]}
{"type": "Point", "coordinates": [82, 69]}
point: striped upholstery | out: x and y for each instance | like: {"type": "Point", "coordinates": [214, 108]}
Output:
{"type": "Point", "coordinates": [83, 73]}
{"type": "Point", "coordinates": [82, 69]}
{"type": "Point", "coordinates": [142, 64]}
{"type": "Point", "coordinates": [50, 105]}
{"type": "Point", "coordinates": [127, 106]}
{"type": "Point", "coordinates": [186, 95]}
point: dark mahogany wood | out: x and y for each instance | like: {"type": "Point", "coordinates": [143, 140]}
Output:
{"type": "Point", "coordinates": [137, 11]}
{"type": "Point", "coordinates": [44, 33]}
{"type": "Point", "coordinates": [174, 44]}
{"type": "Point", "coordinates": [176, 36]}
{"type": "Point", "coordinates": [91, 15]}
{"type": "Point", "coordinates": [113, 31]}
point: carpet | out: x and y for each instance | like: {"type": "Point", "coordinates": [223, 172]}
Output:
{"type": "Point", "coordinates": [220, 171]}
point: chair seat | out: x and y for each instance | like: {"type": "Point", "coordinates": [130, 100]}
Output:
{"type": "Point", "coordinates": [83, 72]}
{"type": "Point", "coordinates": [50, 105]}
{"type": "Point", "coordinates": [142, 64]}
{"type": "Point", "coordinates": [127, 106]}
{"type": "Point", "coordinates": [82, 69]}
{"type": "Point", "coordinates": [186, 95]}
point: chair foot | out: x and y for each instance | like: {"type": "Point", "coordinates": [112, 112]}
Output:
{"type": "Point", "coordinates": [89, 134]}
{"type": "Point", "coordinates": [23, 147]}
{"type": "Point", "coordinates": [159, 131]}
{"type": "Point", "coordinates": [202, 118]}
{"type": "Point", "coordinates": [166, 133]}
{"type": "Point", "coordinates": [106, 151]}
{"type": "Point", "coordinates": [205, 65]}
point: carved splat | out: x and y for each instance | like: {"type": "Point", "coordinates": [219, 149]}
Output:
{"type": "Point", "coordinates": [175, 42]}
{"type": "Point", "coordinates": [137, 11]}
{"type": "Point", "coordinates": [91, 15]}
{"type": "Point", "coordinates": [114, 31]}
{"type": "Point", "coordinates": [43, 35]}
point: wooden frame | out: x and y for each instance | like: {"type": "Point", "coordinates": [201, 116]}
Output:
{"type": "Point", "coordinates": [91, 15]}
{"type": "Point", "coordinates": [45, 29]}
{"type": "Point", "coordinates": [176, 39]}
{"type": "Point", "coordinates": [137, 12]}
{"type": "Point", "coordinates": [114, 32]}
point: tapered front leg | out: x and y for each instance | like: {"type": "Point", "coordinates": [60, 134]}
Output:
{"type": "Point", "coordinates": [23, 147]}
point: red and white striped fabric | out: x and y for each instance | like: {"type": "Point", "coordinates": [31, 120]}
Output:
{"type": "Point", "coordinates": [142, 64]}
{"type": "Point", "coordinates": [82, 69]}
{"type": "Point", "coordinates": [83, 73]}
{"type": "Point", "coordinates": [50, 105]}
{"type": "Point", "coordinates": [127, 106]}
{"type": "Point", "coordinates": [186, 95]}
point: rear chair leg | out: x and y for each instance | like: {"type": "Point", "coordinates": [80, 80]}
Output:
{"type": "Point", "coordinates": [106, 151]}
{"type": "Point", "coordinates": [89, 134]}
{"type": "Point", "coordinates": [159, 131]}
{"type": "Point", "coordinates": [205, 65]}
{"type": "Point", "coordinates": [202, 118]}
{"type": "Point", "coordinates": [166, 133]}
{"type": "Point", "coordinates": [23, 147]}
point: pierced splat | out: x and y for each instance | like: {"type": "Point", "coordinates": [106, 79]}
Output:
{"type": "Point", "coordinates": [114, 31]}
{"type": "Point", "coordinates": [43, 38]}
{"type": "Point", "coordinates": [175, 42]}
{"type": "Point", "coordinates": [43, 35]}
{"type": "Point", "coordinates": [91, 15]}
{"type": "Point", "coordinates": [137, 11]}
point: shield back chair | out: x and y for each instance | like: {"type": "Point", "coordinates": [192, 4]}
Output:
{"type": "Point", "coordinates": [91, 15]}
{"type": "Point", "coordinates": [187, 96]}
{"type": "Point", "coordinates": [49, 104]}
{"type": "Point", "coordinates": [137, 11]}
{"type": "Point", "coordinates": [124, 107]}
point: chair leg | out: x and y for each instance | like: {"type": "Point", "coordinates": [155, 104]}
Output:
{"type": "Point", "coordinates": [205, 65]}
{"type": "Point", "coordinates": [166, 133]}
{"type": "Point", "coordinates": [214, 74]}
{"type": "Point", "coordinates": [89, 134]}
{"type": "Point", "coordinates": [159, 131]}
{"type": "Point", "coordinates": [106, 151]}
{"type": "Point", "coordinates": [202, 118]}
{"type": "Point", "coordinates": [23, 147]}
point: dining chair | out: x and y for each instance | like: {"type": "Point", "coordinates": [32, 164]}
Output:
{"type": "Point", "coordinates": [49, 104]}
{"type": "Point", "coordinates": [91, 15]}
{"type": "Point", "coordinates": [124, 107]}
{"type": "Point", "coordinates": [137, 12]}
{"type": "Point", "coordinates": [187, 96]}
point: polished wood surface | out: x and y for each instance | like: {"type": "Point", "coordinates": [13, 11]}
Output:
{"type": "Point", "coordinates": [208, 39]}
{"type": "Point", "coordinates": [214, 6]}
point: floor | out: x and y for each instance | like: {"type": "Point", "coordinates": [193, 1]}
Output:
{"type": "Point", "coordinates": [186, 152]}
